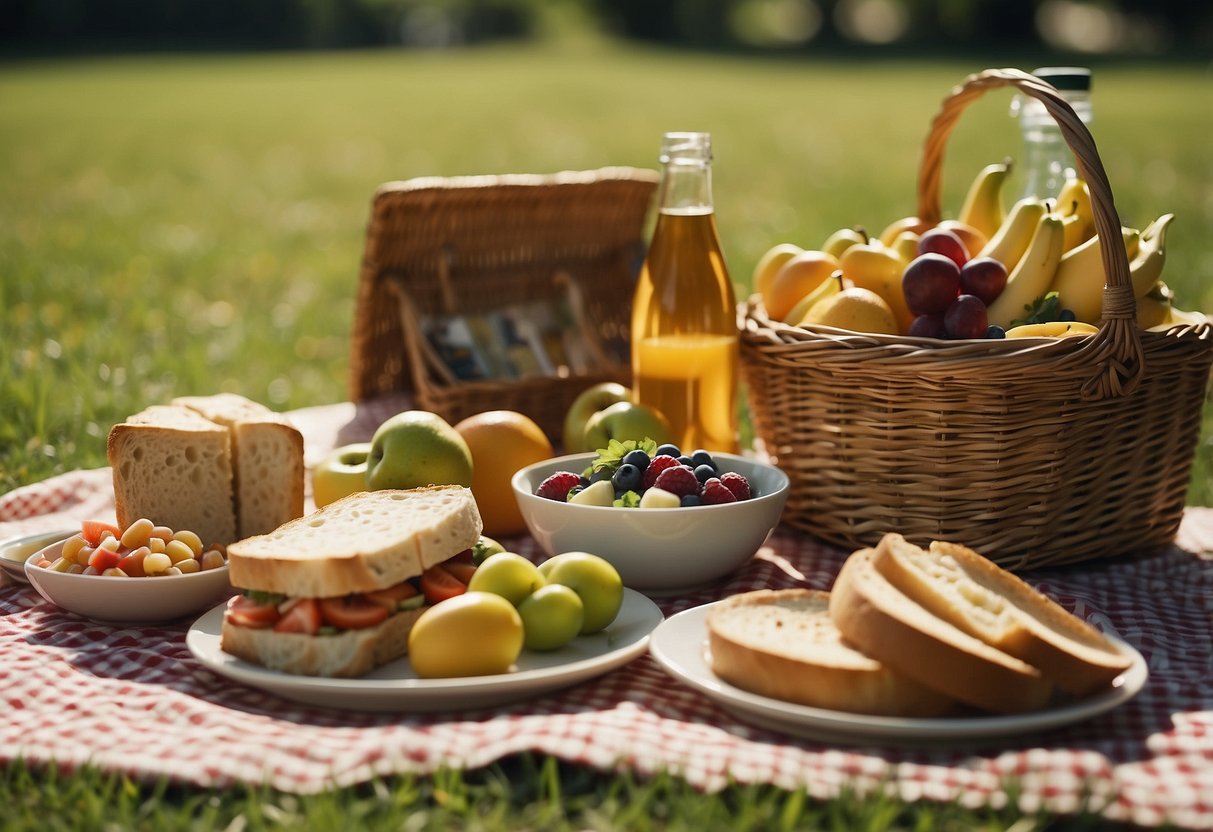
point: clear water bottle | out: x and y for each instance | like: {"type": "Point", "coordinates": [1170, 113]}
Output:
{"type": "Point", "coordinates": [1047, 159]}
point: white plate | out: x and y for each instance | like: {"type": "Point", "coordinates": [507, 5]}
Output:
{"type": "Point", "coordinates": [680, 645]}
{"type": "Point", "coordinates": [15, 551]}
{"type": "Point", "coordinates": [395, 687]}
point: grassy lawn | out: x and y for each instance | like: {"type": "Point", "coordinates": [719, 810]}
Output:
{"type": "Point", "coordinates": [191, 224]}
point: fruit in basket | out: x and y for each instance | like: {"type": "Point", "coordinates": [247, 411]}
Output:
{"type": "Point", "coordinates": [341, 473]}
{"type": "Point", "coordinates": [625, 420]}
{"type": "Point", "coordinates": [832, 285]}
{"type": "Point", "coordinates": [896, 227]}
{"type": "Point", "coordinates": [966, 318]}
{"type": "Point", "coordinates": [1074, 204]}
{"type": "Point", "coordinates": [1033, 274]}
{"type": "Point", "coordinates": [1011, 240]}
{"type": "Point", "coordinates": [928, 326]}
{"type": "Point", "coordinates": [842, 239]}
{"type": "Point", "coordinates": [798, 277]}
{"type": "Point", "coordinates": [588, 402]}
{"type": "Point", "coordinates": [770, 263]}
{"type": "Point", "coordinates": [877, 268]}
{"type": "Point", "coordinates": [501, 442]}
{"type": "Point", "coordinates": [982, 207]}
{"type": "Point", "coordinates": [1146, 268]}
{"type": "Point", "coordinates": [856, 309]}
{"type": "Point", "coordinates": [417, 448]}
{"type": "Point", "coordinates": [906, 246]}
{"type": "Point", "coordinates": [594, 580]}
{"type": "Point", "coordinates": [473, 634]}
{"type": "Point", "coordinates": [931, 283]}
{"type": "Point", "coordinates": [973, 239]}
{"type": "Point", "coordinates": [984, 277]}
{"type": "Point", "coordinates": [1052, 329]}
{"type": "Point", "coordinates": [1081, 276]}
{"type": "Point", "coordinates": [942, 241]}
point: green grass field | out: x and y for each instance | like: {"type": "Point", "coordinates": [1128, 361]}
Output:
{"type": "Point", "coordinates": [178, 225]}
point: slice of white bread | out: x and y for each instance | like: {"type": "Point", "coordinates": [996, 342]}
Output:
{"type": "Point", "coordinates": [360, 543]}
{"type": "Point", "coordinates": [346, 654]}
{"type": "Point", "coordinates": [782, 644]}
{"type": "Point", "coordinates": [174, 467]}
{"type": "Point", "coordinates": [964, 588]}
{"type": "Point", "coordinates": [892, 628]}
{"type": "Point", "coordinates": [267, 460]}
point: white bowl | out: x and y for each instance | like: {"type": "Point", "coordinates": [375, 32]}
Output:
{"type": "Point", "coordinates": [126, 600]}
{"type": "Point", "coordinates": [657, 550]}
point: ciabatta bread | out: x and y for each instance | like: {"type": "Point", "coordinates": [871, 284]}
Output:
{"type": "Point", "coordinates": [267, 460]}
{"type": "Point", "coordinates": [174, 467]}
{"type": "Point", "coordinates": [967, 590]}
{"type": "Point", "coordinates": [889, 626]}
{"type": "Point", "coordinates": [782, 644]}
{"type": "Point", "coordinates": [360, 543]}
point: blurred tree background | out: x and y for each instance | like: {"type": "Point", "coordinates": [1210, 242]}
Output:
{"type": "Point", "coordinates": [1120, 28]}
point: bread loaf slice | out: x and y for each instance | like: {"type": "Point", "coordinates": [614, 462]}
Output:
{"type": "Point", "coordinates": [267, 454]}
{"type": "Point", "coordinates": [782, 644]}
{"type": "Point", "coordinates": [174, 467]}
{"type": "Point", "coordinates": [984, 600]}
{"type": "Point", "coordinates": [892, 628]}
{"type": "Point", "coordinates": [360, 543]}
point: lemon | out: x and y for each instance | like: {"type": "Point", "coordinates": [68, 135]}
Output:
{"type": "Point", "coordinates": [856, 309]}
{"type": "Point", "coordinates": [501, 442]}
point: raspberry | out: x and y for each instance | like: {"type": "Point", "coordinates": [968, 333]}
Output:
{"type": "Point", "coordinates": [677, 479]}
{"type": "Point", "coordinates": [736, 483]}
{"type": "Point", "coordinates": [557, 486]}
{"type": "Point", "coordinates": [715, 492]}
{"type": "Point", "coordinates": [659, 464]}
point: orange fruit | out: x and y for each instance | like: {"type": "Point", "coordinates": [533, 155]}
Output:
{"type": "Point", "coordinates": [501, 442]}
{"type": "Point", "coordinates": [795, 279]}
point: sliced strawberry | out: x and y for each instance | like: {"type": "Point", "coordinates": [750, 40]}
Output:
{"type": "Point", "coordinates": [91, 530]}
{"type": "Point", "coordinates": [245, 612]}
{"type": "Point", "coordinates": [352, 612]}
{"type": "Point", "coordinates": [303, 617]}
{"type": "Point", "coordinates": [438, 584]}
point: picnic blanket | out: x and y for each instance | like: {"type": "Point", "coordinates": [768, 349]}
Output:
{"type": "Point", "coordinates": [134, 700]}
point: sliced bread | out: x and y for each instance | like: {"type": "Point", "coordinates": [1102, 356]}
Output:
{"type": "Point", "coordinates": [267, 454]}
{"type": "Point", "coordinates": [360, 543]}
{"type": "Point", "coordinates": [174, 467]}
{"type": "Point", "coordinates": [969, 591]}
{"type": "Point", "coordinates": [782, 644]}
{"type": "Point", "coordinates": [886, 624]}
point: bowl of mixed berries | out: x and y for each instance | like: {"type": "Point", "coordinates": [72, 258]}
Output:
{"type": "Point", "coordinates": [668, 520]}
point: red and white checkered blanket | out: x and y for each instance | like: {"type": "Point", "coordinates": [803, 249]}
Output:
{"type": "Point", "coordinates": [133, 699]}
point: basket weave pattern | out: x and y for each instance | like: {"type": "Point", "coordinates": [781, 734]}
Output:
{"type": "Point", "coordinates": [1032, 451]}
{"type": "Point", "coordinates": [470, 245]}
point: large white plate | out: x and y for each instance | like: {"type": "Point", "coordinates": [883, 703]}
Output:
{"type": "Point", "coordinates": [680, 645]}
{"type": "Point", "coordinates": [16, 550]}
{"type": "Point", "coordinates": [395, 687]}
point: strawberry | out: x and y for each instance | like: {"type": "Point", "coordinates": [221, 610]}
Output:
{"type": "Point", "coordinates": [659, 464]}
{"type": "Point", "coordinates": [715, 492]}
{"type": "Point", "coordinates": [736, 483]}
{"type": "Point", "coordinates": [677, 479]}
{"type": "Point", "coordinates": [557, 486]}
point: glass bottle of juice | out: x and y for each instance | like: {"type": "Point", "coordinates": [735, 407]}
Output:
{"type": "Point", "coordinates": [684, 316]}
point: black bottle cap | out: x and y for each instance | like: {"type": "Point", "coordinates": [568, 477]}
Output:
{"type": "Point", "coordinates": [1072, 78]}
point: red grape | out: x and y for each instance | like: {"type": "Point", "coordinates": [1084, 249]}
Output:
{"type": "Point", "coordinates": [942, 241]}
{"type": "Point", "coordinates": [928, 326]}
{"type": "Point", "coordinates": [930, 283]}
{"type": "Point", "coordinates": [966, 318]}
{"type": "Point", "coordinates": [984, 277]}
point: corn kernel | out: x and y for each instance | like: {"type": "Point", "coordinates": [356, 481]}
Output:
{"type": "Point", "coordinates": [60, 565]}
{"type": "Point", "coordinates": [111, 543]}
{"type": "Point", "coordinates": [75, 569]}
{"type": "Point", "coordinates": [163, 532]}
{"type": "Point", "coordinates": [213, 559]}
{"type": "Point", "coordinates": [137, 533]}
{"type": "Point", "coordinates": [73, 545]}
{"type": "Point", "coordinates": [115, 572]}
{"type": "Point", "coordinates": [178, 551]}
{"type": "Point", "coordinates": [156, 562]}
{"type": "Point", "coordinates": [190, 539]}
{"type": "Point", "coordinates": [83, 555]}
{"type": "Point", "coordinates": [173, 570]}
{"type": "Point", "coordinates": [90, 570]}
{"type": "Point", "coordinates": [157, 544]}
{"type": "Point", "coordinates": [188, 566]}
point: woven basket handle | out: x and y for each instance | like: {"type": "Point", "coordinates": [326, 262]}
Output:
{"type": "Point", "coordinates": [1118, 343]}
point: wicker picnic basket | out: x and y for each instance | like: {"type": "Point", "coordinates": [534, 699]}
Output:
{"type": "Point", "coordinates": [471, 245]}
{"type": "Point", "coordinates": [1032, 451]}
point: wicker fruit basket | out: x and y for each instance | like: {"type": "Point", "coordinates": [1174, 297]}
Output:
{"type": "Point", "coordinates": [473, 245]}
{"type": "Point", "coordinates": [1033, 451]}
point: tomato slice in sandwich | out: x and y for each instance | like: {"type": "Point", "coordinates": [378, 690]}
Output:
{"type": "Point", "coordinates": [302, 617]}
{"type": "Point", "coordinates": [352, 612]}
{"type": "Point", "coordinates": [462, 571]}
{"type": "Point", "coordinates": [245, 612]}
{"type": "Point", "coordinates": [438, 584]}
{"type": "Point", "coordinates": [391, 597]}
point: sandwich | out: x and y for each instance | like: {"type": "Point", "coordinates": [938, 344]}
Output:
{"type": "Point", "coordinates": [335, 593]}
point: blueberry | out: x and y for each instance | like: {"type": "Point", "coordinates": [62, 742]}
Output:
{"type": "Point", "coordinates": [690, 500]}
{"type": "Point", "coordinates": [702, 457]}
{"type": "Point", "coordinates": [601, 474]}
{"type": "Point", "coordinates": [995, 331]}
{"type": "Point", "coordinates": [669, 449]}
{"type": "Point", "coordinates": [627, 478]}
{"type": "Point", "coordinates": [1066, 315]}
{"type": "Point", "coordinates": [685, 460]}
{"type": "Point", "coordinates": [584, 480]}
{"type": "Point", "coordinates": [638, 458]}
{"type": "Point", "coordinates": [703, 473]}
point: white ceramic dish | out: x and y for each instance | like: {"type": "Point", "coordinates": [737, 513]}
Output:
{"type": "Point", "coordinates": [395, 687]}
{"type": "Point", "coordinates": [680, 646]}
{"type": "Point", "coordinates": [15, 551]}
{"type": "Point", "coordinates": [657, 550]}
{"type": "Point", "coordinates": [127, 600]}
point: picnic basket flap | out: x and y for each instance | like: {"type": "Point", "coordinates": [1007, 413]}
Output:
{"type": "Point", "coordinates": [1032, 451]}
{"type": "Point", "coordinates": [468, 245]}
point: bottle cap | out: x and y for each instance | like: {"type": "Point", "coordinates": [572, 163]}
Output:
{"type": "Point", "coordinates": [688, 146]}
{"type": "Point", "coordinates": [1071, 78]}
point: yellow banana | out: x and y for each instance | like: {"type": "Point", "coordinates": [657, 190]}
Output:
{"type": "Point", "coordinates": [1146, 267]}
{"type": "Point", "coordinates": [1052, 329]}
{"type": "Point", "coordinates": [1011, 240]}
{"type": "Point", "coordinates": [1033, 274]}
{"type": "Point", "coordinates": [832, 285]}
{"type": "Point", "coordinates": [1081, 276]}
{"type": "Point", "coordinates": [1074, 200]}
{"type": "Point", "coordinates": [982, 207]}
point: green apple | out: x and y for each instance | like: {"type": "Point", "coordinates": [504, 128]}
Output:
{"type": "Point", "coordinates": [511, 576]}
{"type": "Point", "coordinates": [341, 473]}
{"type": "Point", "coordinates": [415, 449]}
{"type": "Point", "coordinates": [590, 401]}
{"type": "Point", "coordinates": [594, 580]}
{"type": "Point", "coordinates": [623, 421]}
{"type": "Point", "coordinates": [552, 616]}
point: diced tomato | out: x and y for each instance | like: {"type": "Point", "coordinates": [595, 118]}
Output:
{"type": "Point", "coordinates": [132, 564]}
{"type": "Point", "coordinates": [245, 612]}
{"type": "Point", "coordinates": [463, 557]}
{"type": "Point", "coordinates": [102, 559]}
{"type": "Point", "coordinates": [391, 597]}
{"type": "Point", "coordinates": [353, 612]}
{"type": "Point", "coordinates": [91, 530]}
{"type": "Point", "coordinates": [438, 584]}
{"type": "Point", "coordinates": [302, 617]}
{"type": "Point", "coordinates": [462, 571]}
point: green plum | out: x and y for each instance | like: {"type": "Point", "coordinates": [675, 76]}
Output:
{"type": "Point", "coordinates": [593, 579]}
{"type": "Point", "coordinates": [552, 616]}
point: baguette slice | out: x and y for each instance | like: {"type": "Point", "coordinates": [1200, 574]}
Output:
{"type": "Point", "coordinates": [890, 627]}
{"type": "Point", "coordinates": [267, 460]}
{"type": "Point", "coordinates": [966, 589]}
{"type": "Point", "coordinates": [360, 543]}
{"type": "Point", "coordinates": [174, 467]}
{"type": "Point", "coordinates": [348, 654]}
{"type": "Point", "coordinates": [782, 644]}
